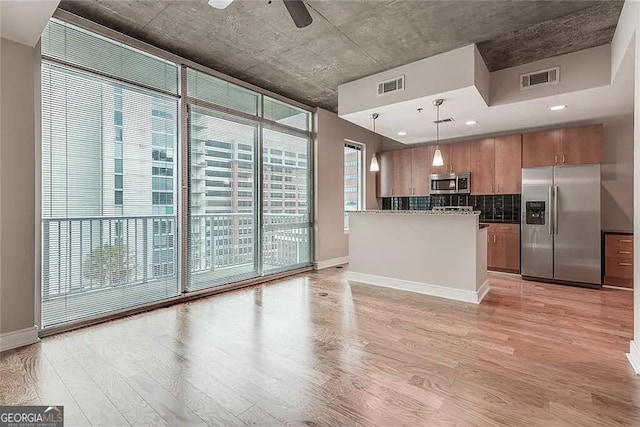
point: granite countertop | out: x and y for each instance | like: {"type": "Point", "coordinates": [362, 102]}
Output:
{"type": "Point", "coordinates": [483, 225]}
{"type": "Point", "coordinates": [415, 212]}
{"type": "Point", "coordinates": [614, 231]}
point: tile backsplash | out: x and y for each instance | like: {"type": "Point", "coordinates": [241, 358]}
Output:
{"type": "Point", "coordinates": [503, 208]}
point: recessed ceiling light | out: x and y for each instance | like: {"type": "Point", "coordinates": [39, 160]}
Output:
{"type": "Point", "coordinates": [470, 122]}
{"type": "Point", "coordinates": [402, 133]}
{"type": "Point", "coordinates": [558, 107]}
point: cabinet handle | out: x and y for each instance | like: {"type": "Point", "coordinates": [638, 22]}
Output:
{"type": "Point", "coordinates": [494, 238]}
{"type": "Point", "coordinates": [626, 264]}
{"type": "Point", "coordinates": [555, 159]}
{"type": "Point", "coordinates": [624, 252]}
{"type": "Point", "coordinates": [625, 241]}
{"type": "Point", "coordinates": [563, 158]}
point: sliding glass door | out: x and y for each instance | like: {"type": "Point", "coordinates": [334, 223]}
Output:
{"type": "Point", "coordinates": [285, 205]}
{"type": "Point", "coordinates": [222, 199]}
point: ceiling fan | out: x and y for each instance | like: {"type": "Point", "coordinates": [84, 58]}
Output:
{"type": "Point", "coordinates": [296, 9]}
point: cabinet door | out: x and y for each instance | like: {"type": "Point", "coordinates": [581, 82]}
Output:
{"type": "Point", "coordinates": [490, 250]}
{"type": "Point", "coordinates": [459, 157]}
{"type": "Point", "coordinates": [420, 170]}
{"type": "Point", "coordinates": [505, 247]}
{"type": "Point", "coordinates": [482, 166]}
{"type": "Point", "coordinates": [444, 149]}
{"type": "Point", "coordinates": [402, 173]}
{"type": "Point", "coordinates": [508, 177]}
{"type": "Point", "coordinates": [581, 145]}
{"type": "Point", "coordinates": [541, 149]}
{"type": "Point", "coordinates": [386, 173]}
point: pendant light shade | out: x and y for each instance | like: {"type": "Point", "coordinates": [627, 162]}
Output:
{"type": "Point", "coordinates": [437, 156]}
{"type": "Point", "coordinates": [374, 167]}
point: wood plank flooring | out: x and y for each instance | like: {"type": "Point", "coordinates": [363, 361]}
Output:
{"type": "Point", "coordinates": [530, 355]}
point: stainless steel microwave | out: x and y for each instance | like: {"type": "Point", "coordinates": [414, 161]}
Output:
{"type": "Point", "coordinates": [450, 183]}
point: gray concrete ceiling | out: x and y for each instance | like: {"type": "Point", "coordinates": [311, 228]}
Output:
{"type": "Point", "coordinates": [349, 39]}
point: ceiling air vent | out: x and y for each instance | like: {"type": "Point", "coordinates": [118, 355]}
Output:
{"type": "Point", "coordinates": [447, 120]}
{"type": "Point", "coordinates": [540, 78]}
{"type": "Point", "coordinates": [390, 86]}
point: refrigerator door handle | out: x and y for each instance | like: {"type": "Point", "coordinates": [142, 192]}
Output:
{"type": "Point", "coordinates": [550, 212]}
{"type": "Point", "coordinates": [555, 208]}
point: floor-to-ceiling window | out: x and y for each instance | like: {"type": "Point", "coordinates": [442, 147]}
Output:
{"type": "Point", "coordinates": [249, 206]}
{"type": "Point", "coordinates": [113, 144]}
{"type": "Point", "coordinates": [108, 176]}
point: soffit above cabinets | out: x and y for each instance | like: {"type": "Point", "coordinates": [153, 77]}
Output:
{"type": "Point", "coordinates": [494, 100]}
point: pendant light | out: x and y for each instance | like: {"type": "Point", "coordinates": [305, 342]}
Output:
{"type": "Point", "coordinates": [375, 167]}
{"type": "Point", "coordinates": [437, 156]}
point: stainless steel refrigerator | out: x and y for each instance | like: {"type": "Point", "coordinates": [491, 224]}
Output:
{"type": "Point", "coordinates": [561, 224]}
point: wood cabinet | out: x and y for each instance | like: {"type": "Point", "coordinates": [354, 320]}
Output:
{"type": "Point", "coordinates": [540, 148]}
{"type": "Point", "coordinates": [618, 260]}
{"type": "Point", "coordinates": [420, 170]}
{"type": "Point", "coordinates": [581, 145]}
{"type": "Point", "coordinates": [508, 164]}
{"type": "Point", "coordinates": [482, 166]}
{"type": "Point", "coordinates": [386, 174]}
{"type": "Point", "coordinates": [568, 146]}
{"type": "Point", "coordinates": [402, 173]}
{"type": "Point", "coordinates": [459, 157]}
{"type": "Point", "coordinates": [503, 247]}
{"type": "Point", "coordinates": [395, 173]}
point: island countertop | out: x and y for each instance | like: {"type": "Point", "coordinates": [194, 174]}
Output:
{"type": "Point", "coordinates": [415, 212]}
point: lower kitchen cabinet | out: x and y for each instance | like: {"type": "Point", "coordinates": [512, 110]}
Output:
{"type": "Point", "coordinates": [618, 260]}
{"type": "Point", "coordinates": [503, 247]}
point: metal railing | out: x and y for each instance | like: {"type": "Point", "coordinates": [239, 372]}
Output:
{"type": "Point", "coordinates": [81, 254]}
{"type": "Point", "coordinates": [90, 253]}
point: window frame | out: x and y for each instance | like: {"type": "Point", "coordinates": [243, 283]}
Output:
{"type": "Point", "coordinates": [360, 173]}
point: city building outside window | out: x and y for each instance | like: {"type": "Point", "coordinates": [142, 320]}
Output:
{"type": "Point", "coordinates": [353, 179]}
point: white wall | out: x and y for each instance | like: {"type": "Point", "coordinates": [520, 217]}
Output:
{"type": "Point", "coordinates": [331, 132]}
{"type": "Point", "coordinates": [19, 77]}
{"type": "Point", "coordinates": [580, 70]}
{"type": "Point", "coordinates": [617, 174]}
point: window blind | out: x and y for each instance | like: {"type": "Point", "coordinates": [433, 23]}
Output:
{"type": "Point", "coordinates": [109, 184]}
{"type": "Point", "coordinates": [75, 46]}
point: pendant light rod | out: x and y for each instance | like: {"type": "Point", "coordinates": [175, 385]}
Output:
{"type": "Point", "coordinates": [437, 156]}
{"type": "Point", "coordinates": [374, 167]}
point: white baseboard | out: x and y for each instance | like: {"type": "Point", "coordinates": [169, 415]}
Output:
{"type": "Point", "coordinates": [331, 262]}
{"type": "Point", "coordinates": [634, 356]}
{"type": "Point", "coordinates": [422, 288]}
{"type": "Point", "coordinates": [483, 291]}
{"type": "Point", "coordinates": [620, 288]}
{"type": "Point", "coordinates": [19, 338]}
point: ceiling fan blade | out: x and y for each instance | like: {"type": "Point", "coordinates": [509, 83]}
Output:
{"type": "Point", "coordinates": [298, 12]}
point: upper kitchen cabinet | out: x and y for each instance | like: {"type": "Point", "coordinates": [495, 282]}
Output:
{"type": "Point", "coordinates": [568, 146]}
{"type": "Point", "coordinates": [482, 166]}
{"type": "Point", "coordinates": [541, 148]}
{"type": "Point", "coordinates": [395, 173]}
{"type": "Point", "coordinates": [386, 174]}
{"type": "Point", "coordinates": [402, 173]}
{"type": "Point", "coordinates": [421, 160]}
{"type": "Point", "coordinates": [459, 157]}
{"type": "Point", "coordinates": [508, 164]}
{"type": "Point", "coordinates": [446, 155]}
{"type": "Point", "coordinates": [580, 145]}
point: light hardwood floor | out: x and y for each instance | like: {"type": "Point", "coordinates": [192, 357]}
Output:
{"type": "Point", "coordinates": [530, 354]}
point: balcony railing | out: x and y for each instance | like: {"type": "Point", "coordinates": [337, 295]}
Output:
{"type": "Point", "coordinates": [91, 253]}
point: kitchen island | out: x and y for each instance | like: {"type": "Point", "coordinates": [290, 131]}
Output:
{"type": "Point", "coordinates": [443, 254]}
